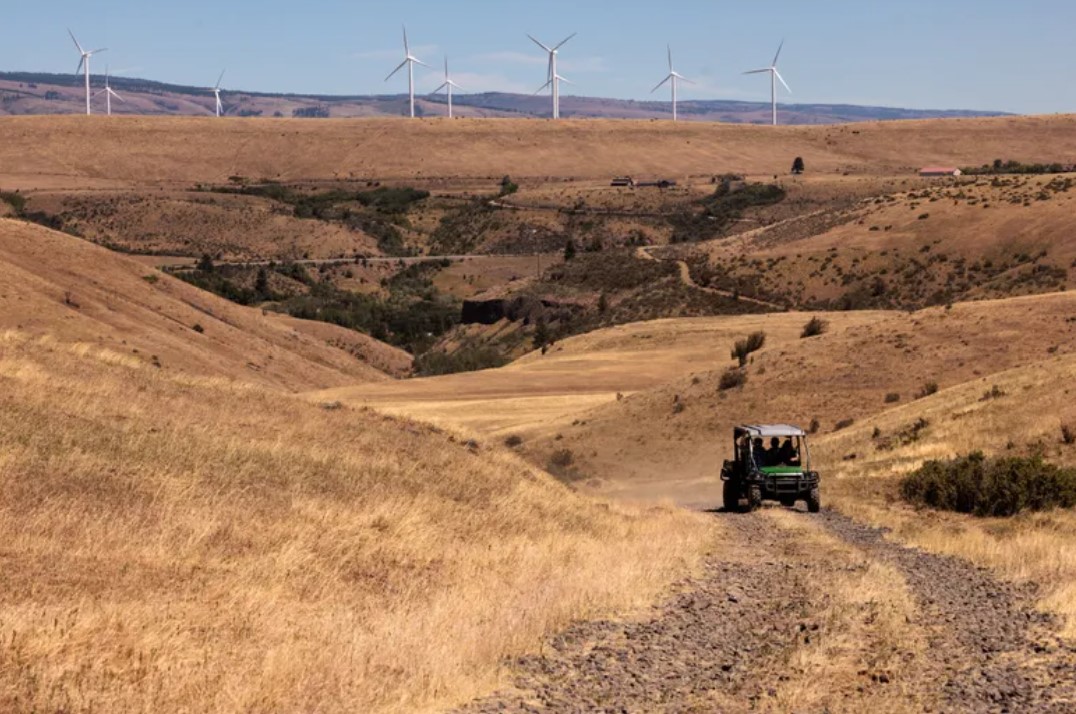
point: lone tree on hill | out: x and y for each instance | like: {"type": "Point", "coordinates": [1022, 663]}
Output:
{"type": "Point", "coordinates": [569, 249]}
{"type": "Point", "coordinates": [797, 165]}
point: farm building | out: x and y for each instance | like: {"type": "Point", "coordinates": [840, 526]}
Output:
{"type": "Point", "coordinates": [939, 171]}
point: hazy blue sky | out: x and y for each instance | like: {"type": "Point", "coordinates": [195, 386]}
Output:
{"type": "Point", "coordinates": [938, 54]}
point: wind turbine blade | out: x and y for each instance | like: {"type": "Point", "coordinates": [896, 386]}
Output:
{"type": "Point", "coordinates": [98, 93]}
{"type": "Point", "coordinates": [398, 68]}
{"type": "Point", "coordinates": [782, 80]}
{"type": "Point", "coordinates": [110, 91]}
{"type": "Point", "coordinates": [453, 84]}
{"type": "Point", "coordinates": [669, 47]}
{"type": "Point", "coordinates": [565, 40]}
{"type": "Point", "coordinates": [758, 71]}
{"type": "Point", "coordinates": [416, 60]}
{"type": "Point", "coordinates": [80, 63]}
{"type": "Point", "coordinates": [774, 63]}
{"type": "Point", "coordinates": [75, 41]}
{"type": "Point", "coordinates": [407, 50]}
{"type": "Point", "coordinates": [565, 80]}
{"type": "Point", "coordinates": [682, 78]}
{"type": "Point", "coordinates": [661, 83]}
{"type": "Point", "coordinates": [220, 78]}
{"type": "Point", "coordinates": [539, 90]}
{"type": "Point", "coordinates": [547, 49]}
{"type": "Point", "coordinates": [439, 88]}
{"type": "Point", "coordinates": [446, 67]}
{"type": "Point", "coordinates": [93, 52]}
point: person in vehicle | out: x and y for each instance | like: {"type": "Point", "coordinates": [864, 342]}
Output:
{"type": "Point", "coordinates": [788, 454]}
{"type": "Point", "coordinates": [759, 453]}
{"type": "Point", "coordinates": [774, 453]}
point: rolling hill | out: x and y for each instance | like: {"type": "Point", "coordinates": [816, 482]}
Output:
{"type": "Point", "coordinates": [41, 93]}
{"type": "Point", "coordinates": [65, 289]}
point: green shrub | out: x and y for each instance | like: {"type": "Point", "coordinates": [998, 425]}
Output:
{"type": "Point", "coordinates": [843, 424]}
{"type": "Point", "coordinates": [990, 487]}
{"type": "Point", "coordinates": [892, 397]}
{"type": "Point", "coordinates": [466, 359]}
{"type": "Point", "coordinates": [513, 440]}
{"type": "Point", "coordinates": [15, 200]}
{"type": "Point", "coordinates": [731, 378]}
{"type": "Point", "coordinates": [815, 326]}
{"type": "Point", "coordinates": [927, 389]}
{"type": "Point", "coordinates": [749, 344]}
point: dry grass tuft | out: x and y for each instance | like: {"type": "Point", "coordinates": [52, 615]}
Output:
{"type": "Point", "coordinates": [181, 543]}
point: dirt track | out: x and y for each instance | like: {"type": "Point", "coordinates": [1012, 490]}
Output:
{"type": "Point", "coordinates": [755, 633]}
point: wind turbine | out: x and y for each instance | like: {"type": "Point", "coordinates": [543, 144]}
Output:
{"type": "Point", "coordinates": [672, 79]}
{"type": "Point", "coordinates": [109, 93]}
{"type": "Point", "coordinates": [410, 60]}
{"type": "Point", "coordinates": [554, 79]}
{"type": "Point", "coordinates": [774, 76]}
{"type": "Point", "coordinates": [84, 63]}
{"type": "Point", "coordinates": [216, 93]}
{"type": "Point", "coordinates": [448, 86]}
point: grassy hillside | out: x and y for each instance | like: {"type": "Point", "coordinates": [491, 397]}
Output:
{"type": "Point", "coordinates": [1014, 412]}
{"type": "Point", "coordinates": [183, 543]}
{"type": "Point", "coordinates": [680, 430]}
{"type": "Point", "coordinates": [190, 150]}
{"type": "Point", "coordinates": [73, 291]}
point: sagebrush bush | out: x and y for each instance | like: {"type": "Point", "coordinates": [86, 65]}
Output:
{"type": "Point", "coordinates": [731, 378]}
{"type": "Point", "coordinates": [926, 390]}
{"type": "Point", "coordinates": [892, 397]}
{"type": "Point", "coordinates": [749, 344]}
{"type": "Point", "coordinates": [990, 487]}
{"type": "Point", "coordinates": [815, 326]}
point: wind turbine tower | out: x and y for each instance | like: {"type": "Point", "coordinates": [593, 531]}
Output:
{"type": "Point", "coordinates": [109, 93]}
{"type": "Point", "coordinates": [553, 78]}
{"type": "Point", "coordinates": [774, 77]}
{"type": "Point", "coordinates": [448, 86]}
{"type": "Point", "coordinates": [410, 61]}
{"type": "Point", "coordinates": [216, 93]}
{"type": "Point", "coordinates": [672, 78]}
{"type": "Point", "coordinates": [84, 64]}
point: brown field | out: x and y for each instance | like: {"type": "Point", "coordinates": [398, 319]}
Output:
{"type": "Point", "coordinates": [43, 152]}
{"type": "Point", "coordinates": [71, 291]}
{"type": "Point", "coordinates": [209, 507]}
{"type": "Point", "coordinates": [182, 543]}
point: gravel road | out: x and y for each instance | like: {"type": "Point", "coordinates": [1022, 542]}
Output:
{"type": "Point", "coordinates": [723, 641]}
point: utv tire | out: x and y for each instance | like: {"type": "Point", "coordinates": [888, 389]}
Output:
{"type": "Point", "coordinates": [730, 495]}
{"type": "Point", "coordinates": [814, 500]}
{"type": "Point", "coordinates": [754, 498]}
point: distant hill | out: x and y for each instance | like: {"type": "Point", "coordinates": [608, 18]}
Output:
{"type": "Point", "coordinates": [44, 93]}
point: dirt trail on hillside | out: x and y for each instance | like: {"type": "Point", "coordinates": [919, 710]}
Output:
{"type": "Point", "coordinates": [764, 628]}
{"type": "Point", "coordinates": [643, 253]}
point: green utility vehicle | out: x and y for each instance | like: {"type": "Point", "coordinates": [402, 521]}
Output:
{"type": "Point", "coordinates": [772, 463]}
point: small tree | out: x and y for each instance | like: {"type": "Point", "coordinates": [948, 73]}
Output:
{"type": "Point", "coordinates": [205, 263]}
{"type": "Point", "coordinates": [603, 303]}
{"type": "Point", "coordinates": [541, 333]}
{"type": "Point", "coordinates": [797, 165]}
{"type": "Point", "coordinates": [569, 249]}
{"type": "Point", "coordinates": [261, 283]}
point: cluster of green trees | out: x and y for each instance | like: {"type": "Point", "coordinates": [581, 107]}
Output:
{"type": "Point", "coordinates": [725, 205]}
{"type": "Point", "coordinates": [1016, 167]}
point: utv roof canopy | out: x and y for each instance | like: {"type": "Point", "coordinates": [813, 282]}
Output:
{"type": "Point", "coordinates": [767, 430]}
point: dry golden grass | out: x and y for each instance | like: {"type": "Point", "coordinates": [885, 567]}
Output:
{"type": "Point", "coordinates": [866, 629]}
{"type": "Point", "coordinates": [74, 291]}
{"type": "Point", "coordinates": [44, 151]}
{"type": "Point", "coordinates": [179, 543]}
{"type": "Point", "coordinates": [1038, 398]}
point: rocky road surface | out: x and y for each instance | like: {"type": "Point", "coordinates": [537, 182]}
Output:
{"type": "Point", "coordinates": [736, 637]}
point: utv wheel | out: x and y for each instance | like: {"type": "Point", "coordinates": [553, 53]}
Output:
{"type": "Point", "coordinates": [814, 500]}
{"type": "Point", "coordinates": [730, 495]}
{"type": "Point", "coordinates": [754, 498]}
